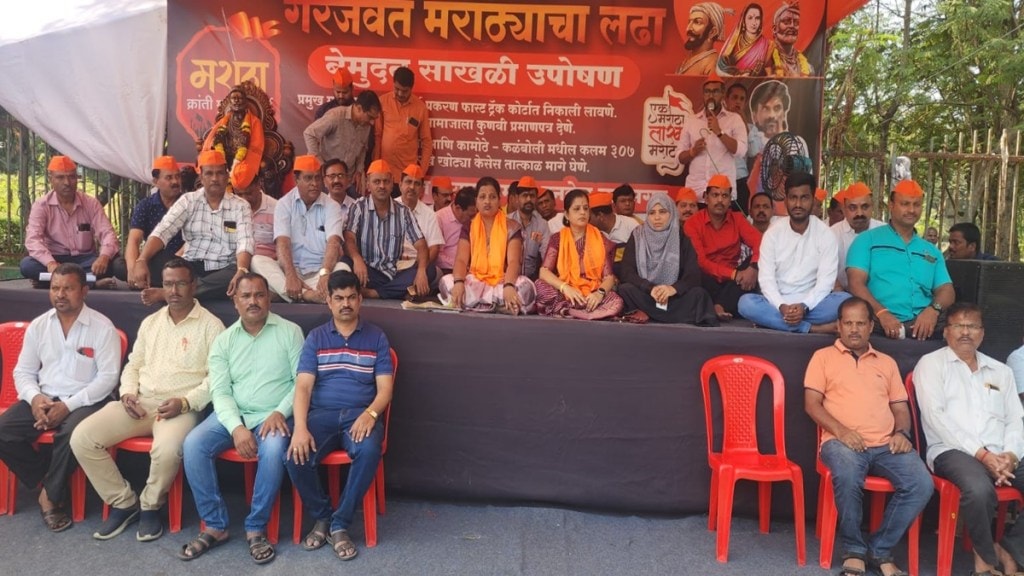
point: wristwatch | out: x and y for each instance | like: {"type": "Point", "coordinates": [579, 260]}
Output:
{"type": "Point", "coordinates": [936, 306]}
{"type": "Point", "coordinates": [322, 272]}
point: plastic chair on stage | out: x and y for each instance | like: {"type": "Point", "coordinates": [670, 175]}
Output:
{"type": "Point", "coordinates": [739, 379]}
{"type": "Point", "coordinates": [143, 445]}
{"type": "Point", "coordinates": [373, 500]}
{"type": "Point", "coordinates": [12, 336]}
{"type": "Point", "coordinates": [949, 500]}
{"type": "Point", "coordinates": [828, 515]}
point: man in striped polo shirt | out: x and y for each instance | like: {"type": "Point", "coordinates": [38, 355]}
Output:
{"type": "Point", "coordinates": [344, 383]}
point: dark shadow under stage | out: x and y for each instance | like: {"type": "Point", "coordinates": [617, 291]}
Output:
{"type": "Point", "coordinates": [583, 414]}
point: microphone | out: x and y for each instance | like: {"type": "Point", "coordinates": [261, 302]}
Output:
{"type": "Point", "coordinates": [711, 107]}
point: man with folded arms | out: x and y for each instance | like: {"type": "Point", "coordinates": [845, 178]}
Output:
{"type": "Point", "coordinates": [971, 417]}
{"type": "Point", "coordinates": [217, 228]}
{"type": "Point", "coordinates": [68, 366]}
{"type": "Point", "coordinates": [252, 387]}
{"type": "Point", "coordinates": [307, 230]}
{"type": "Point", "coordinates": [66, 225]}
{"type": "Point", "coordinates": [854, 393]}
{"type": "Point", "coordinates": [163, 392]}
{"type": "Point", "coordinates": [344, 384]}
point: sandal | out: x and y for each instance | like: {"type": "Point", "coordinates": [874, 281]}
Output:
{"type": "Point", "coordinates": [343, 546]}
{"type": "Point", "coordinates": [260, 549]}
{"type": "Point", "coordinates": [876, 564]}
{"type": "Point", "coordinates": [56, 520]}
{"type": "Point", "coordinates": [200, 545]}
{"type": "Point", "coordinates": [852, 570]}
{"type": "Point", "coordinates": [317, 537]}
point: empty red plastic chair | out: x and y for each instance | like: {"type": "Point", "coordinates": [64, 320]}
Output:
{"type": "Point", "coordinates": [373, 500]}
{"type": "Point", "coordinates": [739, 379]}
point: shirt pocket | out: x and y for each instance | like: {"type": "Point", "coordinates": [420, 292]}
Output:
{"type": "Point", "coordinates": [994, 404]}
{"type": "Point", "coordinates": [83, 368]}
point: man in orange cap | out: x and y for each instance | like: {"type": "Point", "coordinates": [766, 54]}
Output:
{"type": "Point", "coordinates": [217, 228]}
{"type": "Point", "coordinates": [344, 133]}
{"type": "Point", "coordinates": [615, 227]}
{"type": "Point", "coordinates": [686, 203]}
{"type": "Point", "coordinates": [902, 276]}
{"type": "Point", "coordinates": [411, 188]}
{"type": "Point", "coordinates": [66, 225]}
{"type": "Point", "coordinates": [712, 140]}
{"type": "Point", "coordinates": [818, 206]}
{"type": "Point", "coordinates": [857, 207]}
{"type": "Point", "coordinates": [441, 191]}
{"type": "Point", "coordinates": [718, 234]}
{"type": "Point", "coordinates": [375, 233]}
{"type": "Point", "coordinates": [536, 232]}
{"type": "Point", "coordinates": [146, 215]}
{"type": "Point", "coordinates": [403, 129]}
{"type": "Point", "coordinates": [344, 95]}
{"type": "Point", "coordinates": [307, 230]}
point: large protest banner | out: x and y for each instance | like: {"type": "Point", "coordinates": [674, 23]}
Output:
{"type": "Point", "coordinates": [578, 94]}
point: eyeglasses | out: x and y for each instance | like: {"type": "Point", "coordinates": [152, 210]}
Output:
{"type": "Point", "coordinates": [335, 176]}
{"type": "Point", "coordinates": [176, 285]}
{"type": "Point", "coordinates": [966, 327]}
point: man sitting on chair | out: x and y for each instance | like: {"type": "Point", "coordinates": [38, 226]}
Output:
{"type": "Point", "coordinates": [344, 384]}
{"type": "Point", "coordinates": [854, 393]}
{"type": "Point", "coordinates": [69, 363]}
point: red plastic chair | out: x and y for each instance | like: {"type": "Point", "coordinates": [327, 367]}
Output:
{"type": "Point", "coordinates": [828, 515]}
{"type": "Point", "coordinates": [12, 336]}
{"type": "Point", "coordinates": [373, 500]}
{"type": "Point", "coordinates": [949, 500]}
{"type": "Point", "coordinates": [274, 525]}
{"type": "Point", "coordinates": [143, 445]}
{"type": "Point", "coordinates": [739, 379]}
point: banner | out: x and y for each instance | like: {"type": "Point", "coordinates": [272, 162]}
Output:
{"type": "Point", "coordinates": [577, 94]}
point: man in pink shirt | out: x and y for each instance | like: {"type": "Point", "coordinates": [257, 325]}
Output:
{"type": "Point", "coordinates": [66, 225]}
{"type": "Point", "coordinates": [451, 219]}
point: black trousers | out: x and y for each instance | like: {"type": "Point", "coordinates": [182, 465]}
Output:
{"type": "Point", "coordinates": [212, 285]}
{"type": "Point", "coordinates": [726, 294]}
{"type": "Point", "coordinates": [33, 466]}
{"type": "Point", "coordinates": [693, 307]}
{"type": "Point", "coordinates": [121, 269]}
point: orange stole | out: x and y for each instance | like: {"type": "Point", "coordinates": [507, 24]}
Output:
{"type": "Point", "coordinates": [487, 262]}
{"type": "Point", "coordinates": [593, 260]}
{"type": "Point", "coordinates": [242, 172]}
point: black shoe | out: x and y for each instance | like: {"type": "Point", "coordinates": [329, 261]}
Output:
{"type": "Point", "coordinates": [150, 526]}
{"type": "Point", "coordinates": [116, 522]}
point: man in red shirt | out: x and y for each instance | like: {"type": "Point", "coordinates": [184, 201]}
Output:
{"type": "Point", "coordinates": [718, 235]}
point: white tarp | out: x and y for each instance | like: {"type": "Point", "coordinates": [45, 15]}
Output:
{"type": "Point", "coordinates": [90, 77]}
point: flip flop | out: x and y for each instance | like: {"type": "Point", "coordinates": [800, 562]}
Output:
{"type": "Point", "coordinates": [56, 520]}
{"type": "Point", "coordinates": [342, 544]}
{"type": "Point", "coordinates": [260, 549]}
{"type": "Point", "coordinates": [318, 536]}
{"type": "Point", "coordinates": [200, 545]}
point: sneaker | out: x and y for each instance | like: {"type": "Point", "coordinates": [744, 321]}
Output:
{"type": "Point", "coordinates": [150, 526]}
{"type": "Point", "coordinates": [116, 522]}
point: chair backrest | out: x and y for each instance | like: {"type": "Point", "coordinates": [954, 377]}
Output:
{"type": "Point", "coordinates": [387, 411]}
{"type": "Point", "coordinates": [739, 379]}
{"type": "Point", "coordinates": [915, 415]}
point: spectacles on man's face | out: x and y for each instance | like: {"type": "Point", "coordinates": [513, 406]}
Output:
{"type": "Point", "coordinates": [178, 285]}
{"type": "Point", "coordinates": [335, 176]}
{"type": "Point", "coordinates": [966, 327]}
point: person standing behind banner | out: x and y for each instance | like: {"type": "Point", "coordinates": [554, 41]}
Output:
{"type": "Point", "coordinates": [711, 140]}
{"type": "Point", "coordinates": [403, 129]}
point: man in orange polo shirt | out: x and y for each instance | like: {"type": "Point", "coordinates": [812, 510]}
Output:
{"type": "Point", "coordinates": [403, 128]}
{"type": "Point", "coordinates": [855, 394]}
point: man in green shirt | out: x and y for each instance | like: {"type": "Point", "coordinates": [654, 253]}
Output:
{"type": "Point", "coordinates": [252, 384]}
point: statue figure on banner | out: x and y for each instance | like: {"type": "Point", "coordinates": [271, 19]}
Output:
{"type": "Point", "coordinates": [785, 59]}
{"type": "Point", "coordinates": [703, 29]}
{"type": "Point", "coordinates": [746, 49]}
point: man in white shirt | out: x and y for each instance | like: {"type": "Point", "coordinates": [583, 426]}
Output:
{"type": "Point", "coordinates": [69, 363]}
{"type": "Point", "coordinates": [338, 182]}
{"type": "Point", "coordinates": [307, 231]}
{"type": "Point", "coordinates": [971, 417]}
{"type": "Point", "coordinates": [1016, 363]}
{"type": "Point", "coordinates": [857, 204]}
{"type": "Point", "coordinates": [615, 227]}
{"type": "Point", "coordinates": [712, 139]}
{"type": "Point", "coordinates": [411, 188]}
{"type": "Point", "coordinates": [797, 269]}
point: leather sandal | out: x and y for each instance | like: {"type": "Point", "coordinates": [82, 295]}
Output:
{"type": "Point", "coordinates": [200, 545]}
{"type": "Point", "coordinates": [56, 520]}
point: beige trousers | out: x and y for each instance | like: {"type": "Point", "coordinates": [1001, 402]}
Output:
{"type": "Point", "coordinates": [109, 426]}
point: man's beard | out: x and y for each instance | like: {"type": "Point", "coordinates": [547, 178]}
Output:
{"type": "Point", "coordinates": [694, 42]}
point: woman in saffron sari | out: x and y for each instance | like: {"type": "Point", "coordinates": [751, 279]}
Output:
{"type": "Point", "coordinates": [576, 277]}
{"type": "Point", "coordinates": [746, 50]}
{"type": "Point", "coordinates": [488, 264]}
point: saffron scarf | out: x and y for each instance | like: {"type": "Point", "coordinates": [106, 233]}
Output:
{"type": "Point", "coordinates": [487, 260]}
{"type": "Point", "coordinates": [589, 278]}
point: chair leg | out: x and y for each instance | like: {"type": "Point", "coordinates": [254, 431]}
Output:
{"type": "Point", "coordinates": [296, 515]}
{"type": "Point", "coordinates": [877, 511]}
{"type": "Point", "coordinates": [913, 546]}
{"type": "Point", "coordinates": [799, 518]}
{"type": "Point", "coordinates": [370, 515]}
{"type": "Point", "coordinates": [4, 484]}
{"type": "Point", "coordinates": [764, 506]}
{"type": "Point", "coordinates": [1003, 508]}
{"type": "Point", "coordinates": [713, 501]}
{"type": "Point", "coordinates": [334, 484]}
{"type": "Point", "coordinates": [274, 526]}
{"type": "Point", "coordinates": [820, 507]}
{"type": "Point", "coordinates": [379, 487]}
{"type": "Point", "coordinates": [949, 506]}
{"type": "Point", "coordinates": [78, 495]}
{"type": "Point", "coordinates": [829, 517]}
{"type": "Point", "coordinates": [174, 502]}
{"type": "Point", "coordinates": [12, 493]}
{"type": "Point", "coordinates": [727, 488]}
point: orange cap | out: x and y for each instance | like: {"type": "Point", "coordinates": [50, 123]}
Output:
{"type": "Point", "coordinates": [908, 188]}
{"type": "Point", "coordinates": [441, 182]}
{"type": "Point", "coordinates": [342, 77]}
{"type": "Point", "coordinates": [713, 77]}
{"type": "Point", "coordinates": [685, 193]}
{"type": "Point", "coordinates": [719, 181]}
{"type": "Point", "coordinates": [528, 182]}
{"type": "Point", "coordinates": [211, 158]}
{"type": "Point", "coordinates": [820, 194]}
{"type": "Point", "coordinates": [378, 167]}
{"type": "Point", "coordinates": [165, 163]}
{"type": "Point", "coordinates": [599, 199]}
{"type": "Point", "coordinates": [856, 190]}
{"type": "Point", "coordinates": [306, 164]}
{"type": "Point", "coordinates": [840, 196]}
{"type": "Point", "coordinates": [413, 171]}
{"type": "Point", "coordinates": [62, 164]}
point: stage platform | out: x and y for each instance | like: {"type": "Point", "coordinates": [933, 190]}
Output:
{"type": "Point", "coordinates": [592, 415]}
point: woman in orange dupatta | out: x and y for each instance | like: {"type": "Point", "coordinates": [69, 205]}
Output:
{"type": "Point", "coordinates": [238, 134]}
{"type": "Point", "coordinates": [487, 276]}
{"type": "Point", "coordinates": [576, 277]}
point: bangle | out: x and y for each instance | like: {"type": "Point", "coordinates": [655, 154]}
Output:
{"type": "Point", "coordinates": [602, 291]}
{"type": "Point", "coordinates": [510, 285]}
{"type": "Point", "coordinates": [562, 288]}
{"type": "Point", "coordinates": [882, 311]}
{"type": "Point", "coordinates": [459, 281]}
{"type": "Point", "coordinates": [373, 414]}
{"type": "Point", "coordinates": [984, 453]}
{"type": "Point", "coordinates": [243, 269]}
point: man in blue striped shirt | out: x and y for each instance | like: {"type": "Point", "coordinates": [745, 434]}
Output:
{"type": "Point", "coordinates": [375, 231]}
{"type": "Point", "coordinates": [344, 384]}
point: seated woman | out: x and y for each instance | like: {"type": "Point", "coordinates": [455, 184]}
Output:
{"type": "Point", "coordinates": [576, 277]}
{"type": "Point", "coordinates": [659, 272]}
{"type": "Point", "coordinates": [488, 262]}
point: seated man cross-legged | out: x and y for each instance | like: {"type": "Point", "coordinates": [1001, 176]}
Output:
{"type": "Point", "coordinates": [344, 384]}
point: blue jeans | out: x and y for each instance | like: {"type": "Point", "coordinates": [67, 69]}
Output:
{"type": "Point", "coordinates": [329, 428]}
{"type": "Point", "coordinates": [908, 475]}
{"type": "Point", "coordinates": [202, 446]}
{"type": "Point", "coordinates": [759, 310]}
